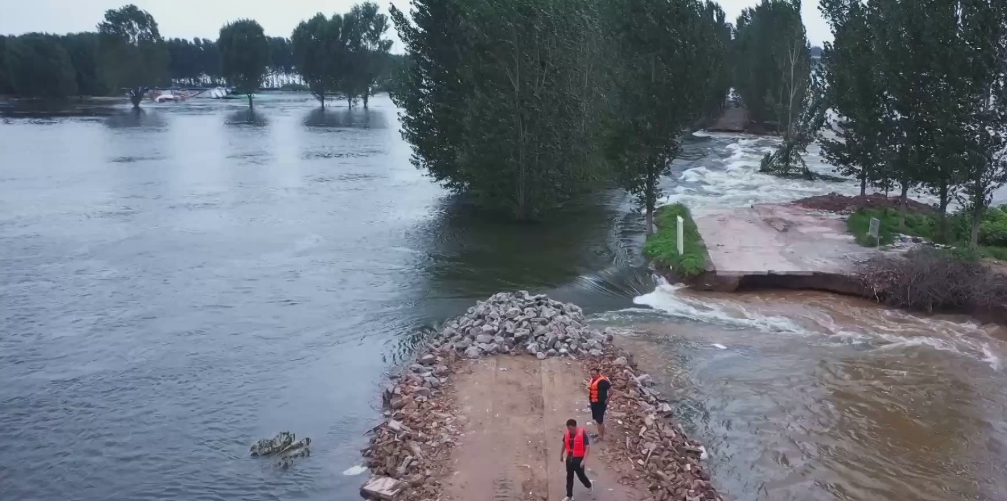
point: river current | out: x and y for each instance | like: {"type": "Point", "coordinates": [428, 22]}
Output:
{"type": "Point", "coordinates": [180, 282]}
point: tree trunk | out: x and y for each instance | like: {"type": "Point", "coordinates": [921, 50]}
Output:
{"type": "Point", "coordinates": [366, 92]}
{"type": "Point", "coordinates": [136, 95]}
{"type": "Point", "coordinates": [903, 199]}
{"type": "Point", "coordinates": [942, 213]}
{"type": "Point", "coordinates": [863, 182]}
{"type": "Point", "coordinates": [650, 195]}
{"type": "Point", "coordinates": [249, 101]}
{"type": "Point", "coordinates": [977, 219]}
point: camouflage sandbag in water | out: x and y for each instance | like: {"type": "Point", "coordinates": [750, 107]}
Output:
{"type": "Point", "coordinates": [283, 443]}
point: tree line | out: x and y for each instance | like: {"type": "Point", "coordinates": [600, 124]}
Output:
{"type": "Point", "coordinates": [127, 52]}
{"type": "Point", "coordinates": [525, 104]}
{"type": "Point", "coordinates": [919, 90]}
{"type": "Point", "coordinates": [910, 94]}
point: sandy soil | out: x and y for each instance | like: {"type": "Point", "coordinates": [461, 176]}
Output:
{"type": "Point", "coordinates": [516, 409]}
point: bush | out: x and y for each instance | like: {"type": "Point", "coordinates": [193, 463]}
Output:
{"type": "Point", "coordinates": [917, 225]}
{"type": "Point", "coordinates": [662, 246]}
{"type": "Point", "coordinates": [931, 280]}
{"type": "Point", "coordinates": [993, 229]}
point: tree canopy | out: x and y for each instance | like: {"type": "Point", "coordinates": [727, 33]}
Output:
{"type": "Point", "coordinates": [133, 55]}
{"type": "Point", "coordinates": [772, 61]}
{"type": "Point", "coordinates": [920, 97]}
{"type": "Point", "coordinates": [345, 54]}
{"type": "Point", "coordinates": [39, 66]}
{"type": "Point", "coordinates": [524, 105]}
{"type": "Point", "coordinates": [244, 56]}
{"type": "Point", "coordinates": [658, 101]}
{"type": "Point", "coordinates": [319, 53]}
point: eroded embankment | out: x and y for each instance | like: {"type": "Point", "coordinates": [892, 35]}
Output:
{"type": "Point", "coordinates": [483, 423]}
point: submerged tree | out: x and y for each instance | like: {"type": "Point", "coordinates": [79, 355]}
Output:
{"type": "Point", "coordinates": [83, 51]}
{"type": "Point", "coordinates": [281, 58]}
{"type": "Point", "coordinates": [39, 66]}
{"type": "Point", "coordinates": [244, 56]}
{"type": "Point", "coordinates": [133, 55]}
{"type": "Point", "coordinates": [319, 53]}
{"type": "Point", "coordinates": [366, 50]}
{"type": "Point", "coordinates": [5, 84]}
{"type": "Point", "coordinates": [498, 101]}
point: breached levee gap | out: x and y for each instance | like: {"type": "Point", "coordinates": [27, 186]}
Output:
{"type": "Point", "coordinates": [838, 283]}
{"type": "Point", "coordinates": [412, 454]}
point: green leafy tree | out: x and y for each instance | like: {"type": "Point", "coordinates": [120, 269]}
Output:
{"type": "Point", "coordinates": [5, 83]}
{"type": "Point", "coordinates": [788, 159]}
{"type": "Point", "coordinates": [83, 50]}
{"type": "Point", "coordinates": [500, 100]}
{"type": "Point", "coordinates": [366, 50]}
{"type": "Point", "coordinates": [429, 91]}
{"type": "Point", "coordinates": [854, 91]}
{"type": "Point", "coordinates": [38, 66]}
{"type": "Point", "coordinates": [717, 63]}
{"type": "Point", "coordinates": [281, 58]}
{"type": "Point", "coordinates": [132, 53]}
{"type": "Point", "coordinates": [658, 101]}
{"type": "Point", "coordinates": [319, 53]}
{"type": "Point", "coordinates": [906, 40]}
{"type": "Point", "coordinates": [244, 56]}
{"type": "Point", "coordinates": [981, 29]}
{"type": "Point", "coordinates": [772, 61]}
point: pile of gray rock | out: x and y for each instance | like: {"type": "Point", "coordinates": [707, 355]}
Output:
{"type": "Point", "coordinates": [518, 322]}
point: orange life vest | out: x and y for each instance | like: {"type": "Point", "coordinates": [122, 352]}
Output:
{"type": "Point", "coordinates": [578, 443]}
{"type": "Point", "coordinates": [594, 386]}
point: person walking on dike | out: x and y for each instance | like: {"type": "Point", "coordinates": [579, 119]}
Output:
{"type": "Point", "coordinates": [598, 393]}
{"type": "Point", "coordinates": [576, 448]}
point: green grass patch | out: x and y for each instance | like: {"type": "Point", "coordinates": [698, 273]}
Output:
{"type": "Point", "coordinates": [917, 225]}
{"type": "Point", "coordinates": [994, 252]}
{"type": "Point", "coordinates": [925, 226]}
{"type": "Point", "coordinates": [662, 246]}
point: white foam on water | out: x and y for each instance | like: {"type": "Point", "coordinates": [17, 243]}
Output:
{"type": "Point", "coordinates": [990, 358]}
{"type": "Point", "coordinates": [355, 470]}
{"type": "Point", "coordinates": [894, 331]}
{"type": "Point", "coordinates": [665, 299]}
{"type": "Point", "coordinates": [735, 182]}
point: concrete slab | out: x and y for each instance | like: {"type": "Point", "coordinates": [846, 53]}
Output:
{"type": "Point", "coordinates": [769, 239]}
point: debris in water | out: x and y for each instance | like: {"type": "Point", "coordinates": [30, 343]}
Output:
{"type": "Point", "coordinates": [284, 446]}
{"type": "Point", "coordinates": [718, 345]}
{"type": "Point", "coordinates": [355, 470]}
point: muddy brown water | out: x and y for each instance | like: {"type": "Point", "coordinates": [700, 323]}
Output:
{"type": "Point", "coordinates": [180, 282]}
{"type": "Point", "coordinates": [813, 396]}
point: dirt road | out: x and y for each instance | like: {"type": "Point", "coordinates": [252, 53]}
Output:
{"type": "Point", "coordinates": [516, 409]}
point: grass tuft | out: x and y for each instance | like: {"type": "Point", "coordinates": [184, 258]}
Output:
{"type": "Point", "coordinates": [662, 246]}
{"type": "Point", "coordinates": [917, 225]}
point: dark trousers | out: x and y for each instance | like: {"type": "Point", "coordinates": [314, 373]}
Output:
{"type": "Point", "coordinates": [573, 465]}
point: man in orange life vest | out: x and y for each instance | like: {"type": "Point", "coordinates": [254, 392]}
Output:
{"type": "Point", "coordinates": [598, 392]}
{"type": "Point", "coordinates": [576, 447]}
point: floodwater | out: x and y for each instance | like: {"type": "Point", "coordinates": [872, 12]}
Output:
{"type": "Point", "coordinates": [180, 282]}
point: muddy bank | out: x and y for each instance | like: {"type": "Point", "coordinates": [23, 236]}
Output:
{"type": "Point", "coordinates": [842, 204]}
{"type": "Point", "coordinates": [446, 410]}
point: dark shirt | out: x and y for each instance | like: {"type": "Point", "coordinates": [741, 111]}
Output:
{"type": "Point", "coordinates": [587, 441]}
{"type": "Point", "coordinates": [603, 387]}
